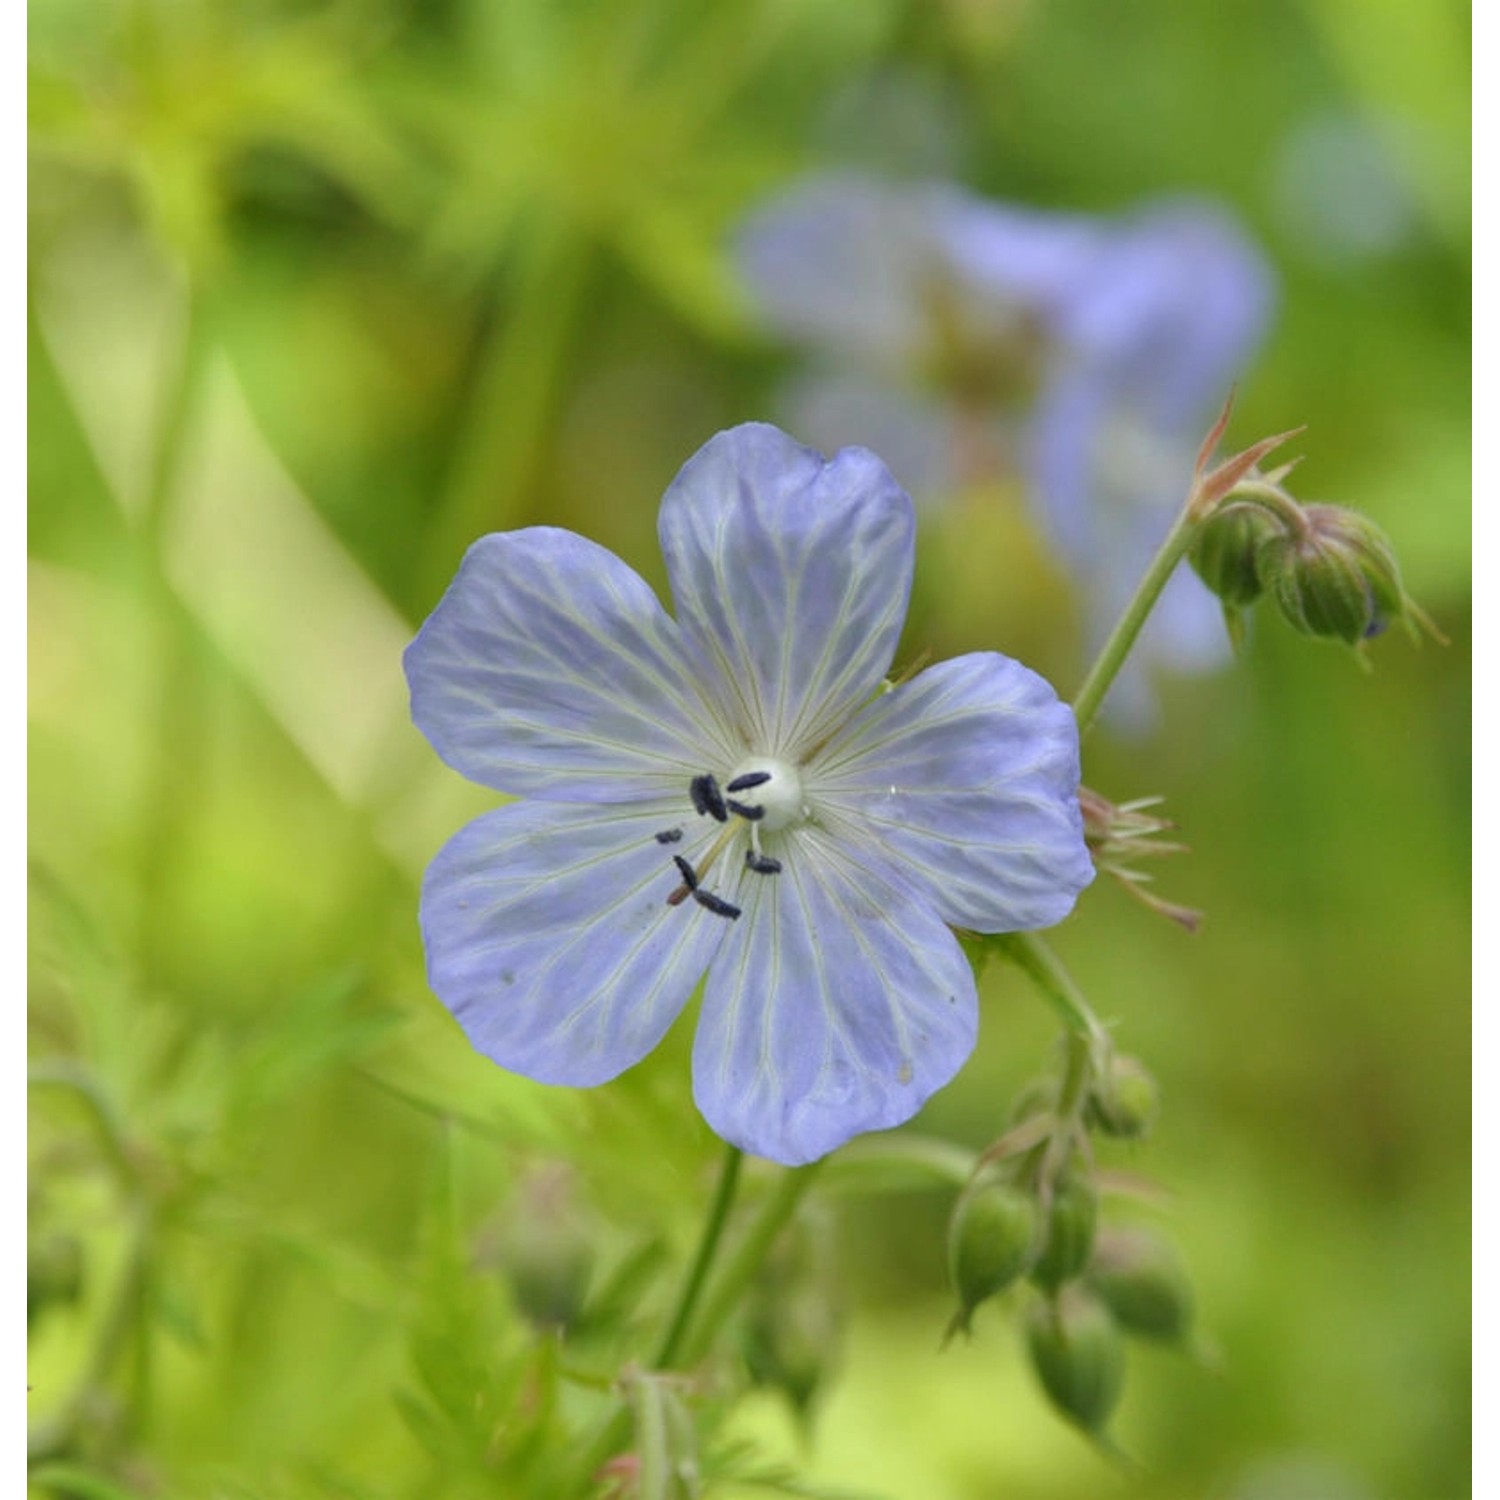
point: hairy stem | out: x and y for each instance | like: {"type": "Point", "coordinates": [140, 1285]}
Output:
{"type": "Point", "coordinates": [697, 1277]}
{"type": "Point", "coordinates": [740, 1269]}
{"type": "Point", "coordinates": [1106, 667]}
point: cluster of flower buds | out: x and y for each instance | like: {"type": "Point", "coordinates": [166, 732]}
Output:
{"type": "Point", "coordinates": [1331, 572]}
{"type": "Point", "coordinates": [1031, 1212]}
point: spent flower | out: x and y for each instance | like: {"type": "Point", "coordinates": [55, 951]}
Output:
{"type": "Point", "coordinates": [736, 792]}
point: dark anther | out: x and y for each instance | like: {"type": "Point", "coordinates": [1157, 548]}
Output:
{"type": "Point", "coordinates": [748, 780]}
{"type": "Point", "coordinates": [762, 864]}
{"type": "Point", "coordinates": [707, 798]}
{"type": "Point", "coordinates": [669, 836]}
{"type": "Point", "coordinates": [716, 904]}
{"type": "Point", "coordinates": [688, 873]}
{"type": "Point", "coordinates": [754, 814]}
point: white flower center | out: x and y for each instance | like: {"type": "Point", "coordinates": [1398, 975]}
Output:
{"type": "Point", "coordinates": [777, 791]}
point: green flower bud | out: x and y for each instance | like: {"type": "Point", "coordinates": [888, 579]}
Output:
{"type": "Point", "coordinates": [543, 1248]}
{"type": "Point", "coordinates": [1141, 1278]}
{"type": "Point", "coordinates": [1338, 579]}
{"type": "Point", "coordinates": [1070, 1233]}
{"type": "Point", "coordinates": [790, 1341]}
{"type": "Point", "coordinates": [1223, 554]}
{"type": "Point", "coordinates": [1079, 1355]}
{"type": "Point", "coordinates": [1125, 1102]}
{"type": "Point", "coordinates": [992, 1238]}
{"type": "Point", "coordinates": [794, 1314]}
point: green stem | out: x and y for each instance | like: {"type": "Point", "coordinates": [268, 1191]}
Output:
{"type": "Point", "coordinates": [1030, 953]}
{"type": "Point", "coordinates": [685, 1345]}
{"type": "Point", "coordinates": [614, 1432]}
{"type": "Point", "coordinates": [875, 1164]}
{"type": "Point", "coordinates": [708, 1244]}
{"type": "Point", "coordinates": [739, 1271]}
{"type": "Point", "coordinates": [56, 1435]}
{"type": "Point", "coordinates": [1112, 655]}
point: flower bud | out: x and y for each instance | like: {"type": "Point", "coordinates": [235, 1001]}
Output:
{"type": "Point", "coordinates": [1338, 579]}
{"type": "Point", "coordinates": [794, 1315]}
{"type": "Point", "coordinates": [1141, 1278]}
{"type": "Point", "coordinates": [1125, 1102]}
{"type": "Point", "coordinates": [791, 1341]}
{"type": "Point", "coordinates": [1079, 1355]}
{"type": "Point", "coordinates": [1070, 1233]}
{"type": "Point", "coordinates": [992, 1238]}
{"type": "Point", "coordinates": [1223, 554]}
{"type": "Point", "coordinates": [542, 1246]}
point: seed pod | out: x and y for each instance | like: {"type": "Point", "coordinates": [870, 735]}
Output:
{"type": "Point", "coordinates": [992, 1238]}
{"type": "Point", "coordinates": [1338, 579]}
{"type": "Point", "coordinates": [1125, 1102]}
{"type": "Point", "coordinates": [1141, 1278]}
{"type": "Point", "coordinates": [1223, 555]}
{"type": "Point", "coordinates": [1070, 1233]}
{"type": "Point", "coordinates": [1078, 1354]}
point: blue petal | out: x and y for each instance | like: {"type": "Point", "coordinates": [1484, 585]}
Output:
{"type": "Point", "coordinates": [1172, 310]}
{"type": "Point", "coordinates": [964, 783]}
{"type": "Point", "coordinates": [870, 268]}
{"type": "Point", "coordinates": [550, 670]}
{"type": "Point", "coordinates": [549, 938]}
{"type": "Point", "coordinates": [837, 1005]}
{"type": "Point", "coordinates": [838, 261]}
{"type": "Point", "coordinates": [791, 574]}
{"type": "Point", "coordinates": [913, 434]}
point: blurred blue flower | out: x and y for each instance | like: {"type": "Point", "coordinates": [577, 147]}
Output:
{"type": "Point", "coordinates": [966, 338]}
{"type": "Point", "coordinates": [732, 792]}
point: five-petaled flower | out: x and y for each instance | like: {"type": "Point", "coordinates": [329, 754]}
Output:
{"type": "Point", "coordinates": [733, 792]}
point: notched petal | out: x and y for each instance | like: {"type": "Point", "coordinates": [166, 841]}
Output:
{"type": "Point", "coordinates": [791, 575]}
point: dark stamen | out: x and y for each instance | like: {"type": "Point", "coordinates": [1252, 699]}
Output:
{"type": "Point", "coordinates": [716, 904]}
{"type": "Point", "coordinates": [707, 798]}
{"type": "Point", "coordinates": [754, 814]}
{"type": "Point", "coordinates": [748, 780]}
{"type": "Point", "coordinates": [669, 836]}
{"type": "Point", "coordinates": [688, 873]}
{"type": "Point", "coordinates": [762, 864]}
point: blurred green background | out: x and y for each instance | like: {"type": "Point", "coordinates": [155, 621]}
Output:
{"type": "Point", "coordinates": [318, 294]}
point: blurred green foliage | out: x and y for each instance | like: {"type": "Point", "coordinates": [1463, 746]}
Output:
{"type": "Point", "coordinates": [320, 292]}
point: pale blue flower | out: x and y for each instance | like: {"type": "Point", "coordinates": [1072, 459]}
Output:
{"type": "Point", "coordinates": [964, 338]}
{"type": "Point", "coordinates": [835, 831]}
